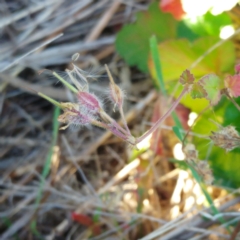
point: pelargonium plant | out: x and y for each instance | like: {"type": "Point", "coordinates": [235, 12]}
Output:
{"type": "Point", "coordinates": [88, 109]}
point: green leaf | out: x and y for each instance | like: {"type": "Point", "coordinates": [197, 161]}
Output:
{"type": "Point", "coordinates": [186, 77]}
{"type": "Point", "coordinates": [183, 31]}
{"type": "Point", "coordinates": [132, 42]}
{"type": "Point", "coordinates": [212, 86]}
{"type": "Point", "coordinates": [208, 24]}
{"type": "Point", "coordinates": [225, 165]}
{"type": "Point", "coordinates": [177, 132]}
{"type": "Point", "coordinates": [46, 169]}
{"type": "Point", "coordinates": [179, 164]}
{"type": "Point", "coordinates": [157, 66]}
{"type": "Point", "coordinates": [197, 91]}
{"type": "Point", "coordinates": [177, 55]}
{"type": "Point", "coordinates": [157, 63]}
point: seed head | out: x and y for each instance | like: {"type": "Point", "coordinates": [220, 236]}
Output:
{"type": "Point", "coordinates": [226, 138]}
{"type": "Point", "coordinates": [89, 102]}
{"type": "Point", "coordinates": [202, 167]}
{"type": "Point", "coordinates": [72, 115]}
{"type": "Point", "coordinates": [190, 152]}
{"type": "Point", "coordinates": [116, 93]}
{"type": "Point", "coordinates": [205, 172]}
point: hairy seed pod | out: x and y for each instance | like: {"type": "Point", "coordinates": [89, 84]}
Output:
{"type": "Point", "coordinates": [226, 138]}
{"type": "Point", "coordinates": [89, 102]}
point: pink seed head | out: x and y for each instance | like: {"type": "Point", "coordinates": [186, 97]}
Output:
{"type": "Point", "coordinates": [73, 115]}
{"type": "Point", "coordinates": [89, 102]}
{"type": "Point", "coordinates": [79, 119]}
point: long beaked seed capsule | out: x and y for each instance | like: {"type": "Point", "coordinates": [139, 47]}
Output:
{"type": "Point", "coordinates": [116, 93]}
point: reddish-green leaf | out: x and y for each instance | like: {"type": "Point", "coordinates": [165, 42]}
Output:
{"type": "Point", "coordinates": [212, 85]}
{"type": "Point", "coordinates": [87, 222]}
{"type": "Point", "coordinates": [233, 84]}
{"type": "Point", "coordinates": [186, 77]}
{"type": "Point", "coordinates": [82, 219]}
{"type": "Point", "coordinates": [197, 91]}
{"type": "Point", "coordinates": [225, 166]}
{"type": "Point", "coordinates": [177, 55]}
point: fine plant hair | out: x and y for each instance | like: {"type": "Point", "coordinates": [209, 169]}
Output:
{"type": "Point", "coordinates": [89, 102]}
{"type": "Point", "coordinates": [88, 109]}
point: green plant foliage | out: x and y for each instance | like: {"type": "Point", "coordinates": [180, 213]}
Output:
{"type": "Point", "coordinates": [183, 31]}
{"type": "Point", "coordinates": [197, 91]}
{"type": "Point", "coordinates": [177, 55]}
{"type": "Point", "coordinates": [225, 165]}
{"type": "Point", "coordinates": [179, 164]}
{"type": "Point", "coordinates": [177, 132]}
{"type": "Point", "coordinates": [157, 64]}
{"type": "Point", "coordinates": [46, 169]}
{"type": "Point", "coordinates": [212, 86]}
{"type": "Point", "coordinates": [196, 105]}
{"type": "Point", "coordinates": [208, 24]}
{"type": "Point", "coordinates": [186, 77]}
{"type": "Point", "coordinates": [132, 42]}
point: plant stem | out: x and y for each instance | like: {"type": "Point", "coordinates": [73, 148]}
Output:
{"type": "Point", "coordinates": [68, 85]}
{"type": "Point", "coordinates": [231, 99]}
{"type": "Point", "coordinates": [57, 104]}
{"type": "Point", "coordinates": [118, 104]}
{"type": "Point", "coordinates": [116, 131]}
{"type": "Point", "coordinates": [106, 117]}
{"type": "Point", "coordinates": [157, 65]}
{"type": "Point", "coordinates": [124, 121]}
{"type": "Point", "coordinates": [160, 120]}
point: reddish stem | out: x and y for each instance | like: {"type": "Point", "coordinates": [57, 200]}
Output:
{"type": "Point", "coordinates": [225, 91]}
{"type": "Point", "coordinates": [105, 116]}
{"type": "Point", "coordinates": [160, 120]}
{"type": "Point", "coordinates": [124, 120]}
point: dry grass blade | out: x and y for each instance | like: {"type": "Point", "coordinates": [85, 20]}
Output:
{"type": "Point", "coordinates": [93, 185]}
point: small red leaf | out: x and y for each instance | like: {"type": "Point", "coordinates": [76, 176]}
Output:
{"type": "Point", "coordinates": [233, 84]}
{"type": "Point", "coordinates": [186, 77]}
{"type": "Point", "coordinates": [87, 222]}
{"type": "Point", "coordinates": [96, 230]}
{"type": "Point", "coordinates": [82, 219]}
{"type": "Point", "coordinates": [198, 91]}
{"type": "Point", "coordinates": [237, 68]}
{"type": "Point", "coordinates": [174, 7]}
